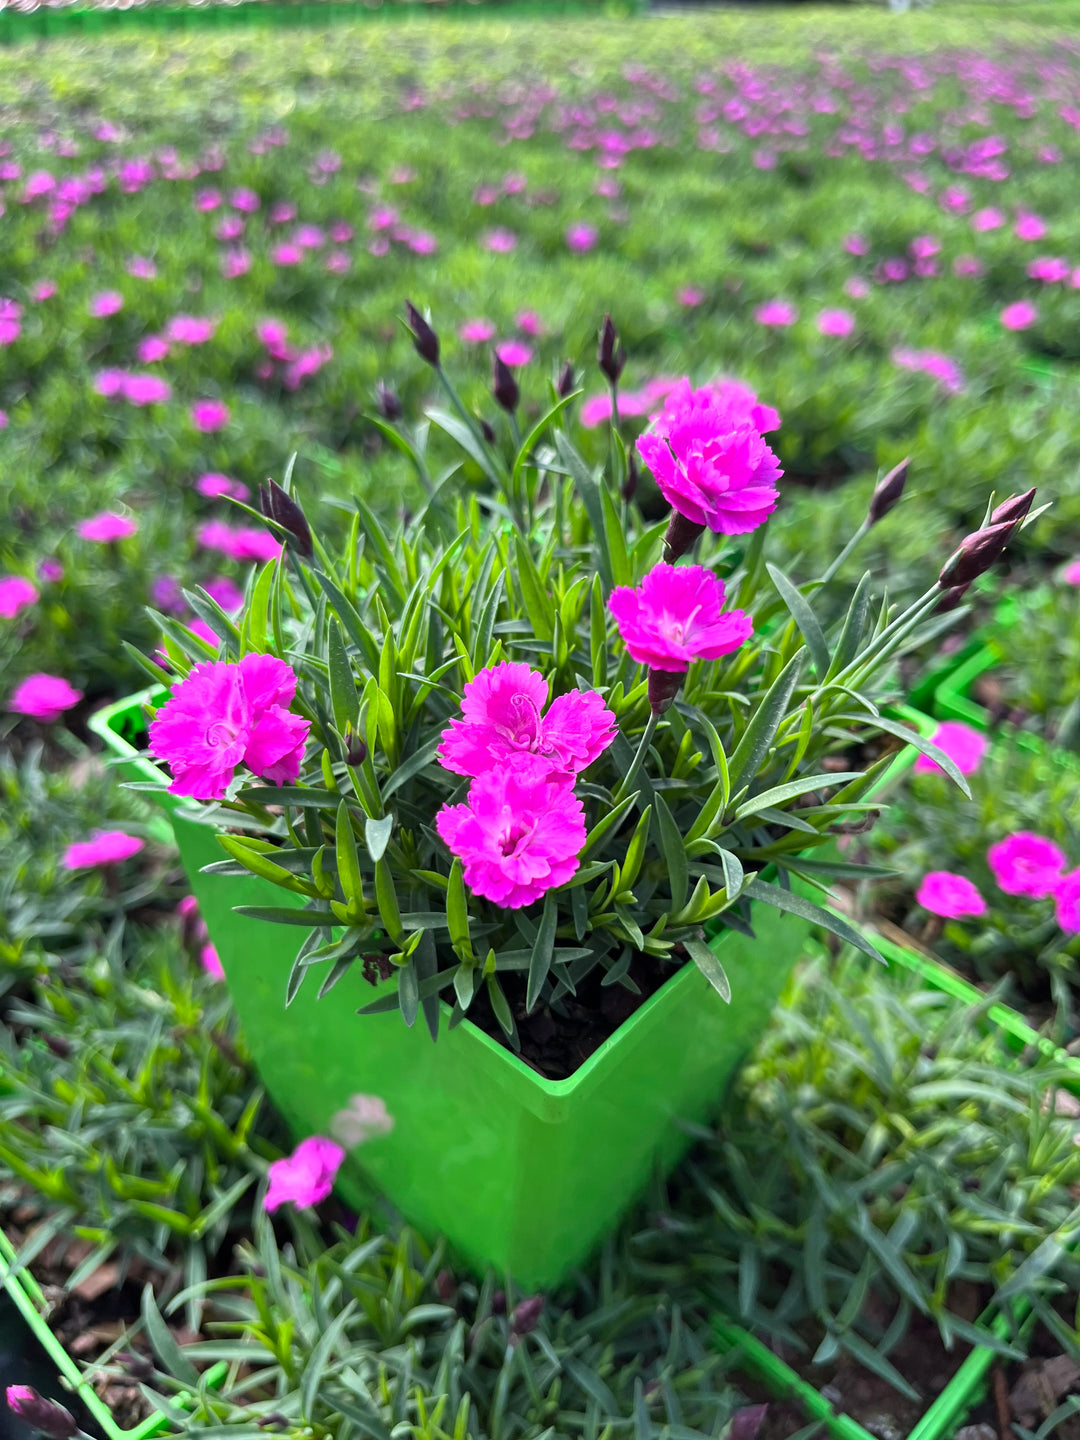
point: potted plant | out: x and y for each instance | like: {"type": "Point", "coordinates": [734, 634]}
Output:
{"type": "Point", "coordinates": [545, 805]}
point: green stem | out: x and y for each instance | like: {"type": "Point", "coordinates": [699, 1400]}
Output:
{"type": "Point", "coordinates": [844, 553]}
{"type": "Point", "coordinates": [638, 760]}
{"type": "Point", "coordinates": [498, 470]}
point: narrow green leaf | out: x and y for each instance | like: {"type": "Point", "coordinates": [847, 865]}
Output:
{"type": "Point", "coordinates": [764, 723]}
{"type": "Point", "coordinates": [590, 492]}
{"type": "Point", "coordinates": [173, 1360]}
{"type": "Point", "coordinates": [387, 901]}
{"type": "Point", "coordinates": [377, 835]}
{"type": "Point", "coordinates": [803, 615]}
{"type": "Point", "coordinates": [543, 946]}
{"type": "Point", "coordinates": [499, 1005]}
{"type": "Point", "coordinates": [613, 818]}
{"type": "Point", "coordinates": [794, 904]}
{"type": "Point", "coordinates": [672, 847]}
{"type": "Point", "coordinates": [779, 793]}
{"type": "Point", "coordinates": [705, 960]}
{"type": "Point", "coordinates": [349, 616]}
{"type": "Point", "coordinates": [847, 647]}
{"type": "Point", "coordinates": [534, 435]}
{"type": "Point", "coordinates": [538, 603]}
{"type": "Point", "coordinates": [343, 698]}
{"type": "Point", "coordinates": [258, 864]}
{"type": "Point", "coordinates": [347, 860]}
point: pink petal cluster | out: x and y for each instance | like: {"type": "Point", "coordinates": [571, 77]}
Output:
{"type": "Point", "coordinates": [224, 715]}
{"type": "Point", "coordinates": [44, 697]}
{"type": "Point", "coordinates": [499, 242]}
{"type": "Point", "coordinates": [10, 321]}
{"type": "Point", "coordinates": [951, 896]}
{"type": "Point", "coordinates": [776, 314]}
{"type": "Point", "coordinates": [16, 593]}
{"type": "Point", "coordinates": [1067, 902]}
{"type": "Point", "coordinates": [135, 388]}
{"type": "Point", "coordinates": [931, 362]}
{"type": "Point", "coordinates": [106, 528]}
{"type": "Point", "coordinates": [1020, 315]}
{"type": "Point", "coordinates": [476, 332]}
{"type": "Point", "coordinates": [105, 847]}
{"type": "Point", "coordinates": [710, 461]}
{"type": "Point", "coordinates": [520, 833]}
{"type": "Point", "coordinates": [1026, 864]}
{"type": "Point", "coordinates": [964, 746]}
{"type": "Point", "coordinates": [632, 403]}
{"type": "Point", "coordinates": [581, 238]}
{"type": "Point", "coordinates": [210, 961]}
{"type": "Point", "coordinates": [677, 615]}
{"type": "Point", "coordinates": [209, 415]}
{"type": "Point", "coordinates": [109, 302]}
{"type": "Point", "coordinates": [190, 330]}
{"type": "Point", "coordinates": [1071, 573]}
{"type": "Point", "coordinates": [514, 353]}
{"type": "Point", "coordinates": [306, 1176]}
{"type": "Point", "coordinates": [245, 542]}
{"type": "Point", "coordinates": [213, 485]}
{"type": "Point", "coordinates": [501, 716]}
{"type": "Point", "coordinates": [836, 322]}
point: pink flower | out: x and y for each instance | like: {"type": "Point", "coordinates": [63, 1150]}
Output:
{"type": "Point", "coordinates": [514, 353]}
{"type": "Point", "coordinates": [43, 290]}
{"type": "Point", "coordinates": [964, 746]}
{"type": "Point", "coordinates": [1026, 864]}
{"type": "Point", "coordinates": [1071, 573]}
{"type": "Point", "coordinates": [306, 1176]}
{"type": "Point", "coordinates": [421, 242]}
{"type": "Point", "coordinates": [107, 303]}
{"type": "Point", "coordinates": [209, 415]}
{"type": "Point", "coordinates": [501, 718]}
{"type": "Point", "coordinates": [225, 592]}
{"type": "Point", "coordinates": [776, 313]}
{"type": "Point", "coordinates": [213, 485]}
{"type": "Point", "coordinates": [476, 332]}
{"type": "Point", "coordinates": [836, 322]}
{"type": "Point", "coordinates": [282, 212]}
{"type": "Point", "coordinates": [165, 594]}
{"type": "Point", "coordinates": [580, 238]}
{"type": "Point", "coordinates": [44, 697]}
{"type": "Point", "coordinates": [529, 323]}
{"type": "Point", "coordinates": [1029, 226]}
{"type": "Point", "coordinates": [710, 461]}
{"type": "Point", "coordinates": [341, 232]}
{"type": "Point", "coordinates": [3, 420]}
{"type": "Point", "coordinates": [225, 714]}
{"type": "Point", "coordinates": [10, 321]}
{"type": "Point", "coordinates": [210, 961]}
{"type": "Point", "coordinates": [1050, 269]}
{"type": "Point", "coordinates": [309, 237]}
{"type": "Point", "coordinates": [190, 329]}
{"type": "Point", "coordinates": [151, 349]}
{"type": "Point", "coordinates": [1067, 902]}
{"type": "Point", "coordinates": [690, 296]}
{"type": "Point", "coordinates": [856, 244]}
{"type": "Point", "coordinates": [1020, 315]}
{"type": "Point", "coordinates": [207, 200]}
{"type": "Point", "coordinates": [485, 195]}
{"type": "Point", "coordinates": [105, 847]}
{"type": "Point", "coordinates": [287, 254]}
{"type": "Point", "coordinates": [16, 593]}
{"type": "Point", "coordinates": [966, 266]}
{"type": "Point", "coordinates": [948, 895]}
{"type": "Point", "coordinates": [106, 528]}
{"type": "Point", "coordinates": [677, 615]}
{"type": "Point", "coordinates": [338, 262]}
{"type": "Point", "coordinates": [140, 267]}
{"type": "Point", "coordinates": [519, 834]}
{"type": "Point", "coordinates": [198, 626]}
{"type": "Point", "coordinates": [245, 200]}
{"type": "Point", "coordinates": [499, 242]}
{"type": "Point", "coordinates": [857, 287]}
{"type": "Point", "coordinates": [145, 390]}
{"type": "Point", "coordinates": [51, 570]}
{"type": "Point", "coordinates": [235, 263]}
{"type": "Point", "coordinates": [988, 219]}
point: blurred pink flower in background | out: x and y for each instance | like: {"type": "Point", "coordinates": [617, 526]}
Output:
{"type": "Point", "coordinates": [235, 263]}
{"type": "Point", "coordinates": [476, 332]}
{"type": "Point", "coordinates": [857, 287]}
{"type": "Point", "coordinates": [499, 242]}
{"type": "Point", "coordinates": [140, 267]}
{"type": "Point", "coordinates": [287, 254]}
{"type": "Point", "coordinates": [1020, 315]}
{"type": "Point", "coordinates": [207, 200]}
{"type": "Point", "coordinates": [43, 290]}
{"type": "Point", "coordinates": [109, 302]}
{"type": "Point", "coordinates": [776, 313]}
{"type": "Point", "coordinates": [836, 322]}
{"type": "Point", "coordinates": [1026, 864]}
{"type": "Point", "coordinates": [964, 746]}
{"type": "Point", "coordinates": [16, 593]}
{"type": "Point", "coordinates": [151, 349]}
{"type": "Point", "coordinates": [44, 697]}
{"type": "Point", "coordinates": [690, 296]}
{"type": "Point", "coordinates": [1050, 269]}
{"type": "Point", "coordinates": [1071, 573]}
{"type": "Point", "coordinates": [211, 962]}
{"type": "Point", "coordinates": [209, 415]}
{"type": "Point", "coordinates": [967, 265]}
{"type": "Point", "coordinates": [225, 592]}
{"type": "Point", "coordinates": [106, 528]}
{"type": "Point", "coordinates": [1029, 226]}
{"type": "Point", "coordinates": [931, 362]}
{"type": "Point", "coordinates": [529, 323]}
{"type": "Point", "coordinates": [951, 896]}
{"type": "Point", "coordinates": [146, 389]}
{"type": "Point", "coordinates": [514, 352]}
{"type": "Point", "coordinates": [1067, 902]}
{"type": "Point", "coordinates": [213, 484]}
{"type": "Point", "coordinates": [282, 212]}
{"type": "Point", "coordinates": [988, 219]}
{"type": "Point", "coordinates": [10, 321]}
{"type": "Point", "coordinates": [580, 238]}
{"type": "Point", "coordinates": [305, 1177]}
{"type": "Point", "coordinates": [856, 244]}
{"type": "Point", "coordinates": [105, 847]}
{"type": "Point", "coordinates": [245, 200]}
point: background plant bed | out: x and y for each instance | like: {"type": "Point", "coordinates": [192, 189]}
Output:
{"type": "Point", "coordinates": [538, 1169]}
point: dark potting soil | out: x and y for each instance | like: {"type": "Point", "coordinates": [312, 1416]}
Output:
{"type": "Point", "coordinates": [556, 1040]}
{"type": "Point", "coordinates": [1027, 1394]}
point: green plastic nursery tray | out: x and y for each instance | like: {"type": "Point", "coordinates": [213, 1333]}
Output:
{"type": "Point", "coordinates": [30, 1354]}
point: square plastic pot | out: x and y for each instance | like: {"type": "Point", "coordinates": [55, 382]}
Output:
{"type": "Point", "coordinates": [519, 1172]}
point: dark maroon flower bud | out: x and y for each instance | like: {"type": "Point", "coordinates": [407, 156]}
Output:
{"type": "Point", "coordinates": [504, 386]}
{"type": "Point", "coordinates": [664, 685]}
{"type": "Point", "coordinates": [424, 337]}
{"type": "Point", "coordinates": [487, 431]}
{"type": "Point", "coordinates": [565, 385]}
{"type": "Point", "coordinates": [1013, 510]}
{"type": "Point", "coordinates": [45, 1416]}
{"type": "Point", "coordinates": [526, 1316]}
{"type": "Point", "coordinates": [277, 505]}
{"type": "Point", "coordinates": [951, 600]}
{"type": "Point", "coordinates": [611, 355]}
{"type": "Point", "coordinates": [747, 1421]}
{"type": "Point", "coordinates": [977, 552]}
{"type": "Point", "coordinates": [682, 535]}
{"type": "Point", "coordinates": [60, 1047]}
{"type": "Point", "coordinates": [498, 1303]}
{"type": "Point", "coordinates": [633, 476]}
{"type": "Point", "coordinates": [446, 1287]}
{"type": "Point", "coordinates": [887, 492]}
{"type": "Point", "coordinates": [387, 402]}
{"type": "Point", "coordinates": [355, 749]}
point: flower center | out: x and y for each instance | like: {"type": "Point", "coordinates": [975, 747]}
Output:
{"type": "Point", "coordinates": [511, 836]}
{"type": "Point", "coordinates": [522, 727]}
{"type": "Point", "coordinates": [220, 734]}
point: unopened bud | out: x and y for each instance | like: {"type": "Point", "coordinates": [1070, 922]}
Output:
{"type": "Point", "coordinates": [45, 1416]}
{"type": "Point", "coordinates": [887, 492]}
{"type": "Point", "coordinates": [60, 1047]}
{"type": "Point", "coordinates": [446, 1287]}
{"type": "Point", "coordinates": [424, 337]}
{"type": "Point", "coordinates": [633, 476]}
{"type": "Point", "coordinates": [565, 385]}
{"type": "Point", "coordinates": [487, 431]}
{"type": "Point", "coordinates": [664, 685]}
{"type": "Point", "coordinates": [526, 1316]}
{"type": "Point", "coordinates": [951, 600]}
{"type": "Point", "coordinates": [682, 535]}
{"type": "Point", "coordinates": [387, 402]}
{"type": "Point", "coordinates": [611, 355]}
{"type": "Point", "coordinates": [277, 505]}
{"type": "Point", "coordinates": [504, 386]}
{"type": "Point", "coordinates": [355, 749]}
{"type": "Point", "coordinates": [1014, 510]}
{"type": "Point", "coordinates": [977, 552]}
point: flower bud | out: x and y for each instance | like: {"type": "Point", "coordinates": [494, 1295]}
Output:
{"type": "Point", "coordinates": [424, 337]}
{"type": "Point", "coordinates": [387, 402]}
{"type": "Point", "coordinates": [951, 600]}
{"type": "Point", "coordinates": [565, 385]}
{"type": "Point", "coordinates": [977, 552]}
{"type": "Point", "coordinates": [682, 535]}
{"type": "Point", "coordinates": [277, 505]}
{"type": "Point", "coordinates": [487, 431]}
{"type": "Point", "coordinates": [887, 492]}
{"type": "Point", "coordinates": [504, 386]}
{"type": "Point", "coordinates": [355, 748]}
{"type": "Point", "coordinates": [526, 1316]}
{"type": "Point", "coordinates": [59, 1046]}
{"type": "Point", "coordinates": [633, 476]}
{"type": "Point", "coordinates": [45, 1416]}
{"type": "Point", "coordinates": [664, 685]}
{"type": "Point", "coordinates": [1014, 509]}
{"type": "Point", "coordinates": [611, 355]}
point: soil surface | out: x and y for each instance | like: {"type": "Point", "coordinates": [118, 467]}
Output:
{"type": "Point", "coordinates": [1026, 1395]}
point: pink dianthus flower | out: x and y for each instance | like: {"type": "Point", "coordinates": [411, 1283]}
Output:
{"type": "Point", "coordinates": [1029, 226]}
{"type": "Point", "coordinates": [16, 593]}
{"type": "Point", "coordinates": [306, 1176]}
{"type": "Point", "coordinates": [581, 238]}
{"type": "Point", "coordinates": [190, 329]}
{"type": "Point", "coordinates": [1020, 315]}
{"type": "Point", "coordinates": [499, 242]}
{"type": "Point", "coordinates": [776, 313]}
{"type": "Point", "coordinates": [951, 896]}
{"type": "Point", "coordinates": [210, 961]}
{"type": "Point", "coordinates": [213, 485]}
{"type": "Point", "coordinates": [1071, 573]}
{"type": "Point", "coordinates": [107, 303]}
{"type": "Point", "coordinates": [690, 296]}
{"type": "Point", "coordinates": [105, 847]}
{"type": "Point", "coordinates": [145, 390]}
{"type": "Point", "coordinates": [677, 615]}
{"type": "Point", "coordinates": [224, 715]}
{"type": "Point", "coordinates": [500, 718]}
{"type": "Point", "coordinates": [710, 461]}
{"type": "Point", "coordinates": [476, 332]}
{"type": "Point", "coordinates": [836, 322]}
{"type": "Point", "coordinates": [1067, 902]}
{"type": "Point", "coordinates": [529, 323]}
{"type": "Point", "coordinates": [964, 746]}
{"type": "Point", "coordinates": [1026, 864]}
{"type": "Point", "coordinates": [520, 833]}
{"type": "Point", "coordinates": [44, 697]}
{"type": "Point", "coordinates": [988, 219]}
{"type": "Point", "coordinates": [209, 415]}
{"type": "Point", "coordinates": [514, 352]}
{"type": "Point", "coordinates": [151, 349]}
{"type": "Point", "coordinates": [106, 528]}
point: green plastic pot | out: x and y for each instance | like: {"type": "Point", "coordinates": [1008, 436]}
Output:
{"type": "Point", "coordinates": [519, 1172]}
{"type": "Point", "coordinates": [32, 1355]}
